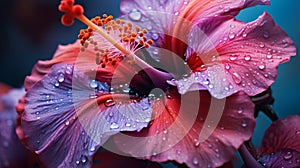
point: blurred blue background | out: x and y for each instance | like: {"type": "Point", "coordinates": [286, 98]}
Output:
{"type": "Point", "coordinates": [31, 31]}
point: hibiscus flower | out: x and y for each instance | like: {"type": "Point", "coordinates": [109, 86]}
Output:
{"type": "Point", "coordinates": [225, 55]}
{"type": "Point", "coordinates": [104, 84]}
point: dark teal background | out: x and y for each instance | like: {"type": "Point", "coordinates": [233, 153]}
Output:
{"type": "Point", "coordinates": [31, 30]}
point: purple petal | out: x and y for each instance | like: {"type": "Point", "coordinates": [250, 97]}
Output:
{"type": "Point", "coordinates": [282, 158]}
{"type": "Point", "coordinates": [238, 56]}
{"type": "Point", "coordinates": [68, 116]}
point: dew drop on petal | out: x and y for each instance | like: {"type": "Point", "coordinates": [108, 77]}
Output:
{"type": "Point", "coordinates": [237, 78]}
{"type": "Point", "coordinates": [261, 45]}
{"type": "Point", "coordinates": [61, 78]}
{"type": "Point", "coordinates": [135, 15]}
{"type": "Point", "coordinates": [92, 149]}
{"type": "Point", "coordinates": [114, 126]}
{"type": "Point", "coordinates": [127, 124]}
{"type": "Point", "coordinates": [77, 162]}
{"type": "Point", "coordinates": [247, 57]}
{"type": "Point", "coordinates": [56, 84]}
{"type": "Point", "coordinates": [155, 36]}
{"type": "Point", "coordinates": [67, 123]}
{"type": "Point", "coordinates": [227, 66]}
{"type": "Point", "coordinates": [196, 142]}
{"type": "Point", "coordinates": [109, 103]}
{"type": "Point", "coordinates": [83, 159]}
{"type": "Point", "coordinates": [93, 84]}
{"type": "Point", "coordinates": [244, 34]}
{"type": "Point", "coordinates": [262, 67]}
{"type": "Point", "coordinates": [195, 161]}
{"type": "Point", "coordinates": [288, 156]}
{"type": "Point", "coordinates": [233, 57]}
{"type": "Point", "coordinates": [231, 35]}
{"type": "Point", "coordinates": [244, 124]}
{"type": "Point", "coordinates": [240, 110]}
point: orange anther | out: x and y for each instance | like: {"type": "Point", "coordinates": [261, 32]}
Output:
{"type": "Point", "coordinates": [150, 42]}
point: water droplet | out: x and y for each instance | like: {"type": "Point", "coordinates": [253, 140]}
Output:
{"type": "Point", "coordinates": [227, 66]}
{"type": "Point", "coordinates": [135, 14]}
{"type": "Point", "coordinates": [247, 57]}
{"type": "Point", "coordinates": [210, 86]}
{"type": "Point", "coordinates": [93, 96]}
{"type": "Point", "coordinates": [67, 123]}
{"type": "Point", "coordinates": [56, 84]}
{"type": "Point", "coordinates": [155, 37]}
{"type": "Point", "coordinates": [114, 126]}
{"type": "Point", "coordinates": [176, 13]}
{"type": "Point", "coordinates": [77, 162]}
{"type": "Point", "coordinates": [237, 78]}
{"type": "Point", "coordinates": [222, 128]}
{"type": "Point", "coordinates": [244, 124]}
{"type": "Point", "coordinates": [233, 57]}
{"type": "Point", "coordinates": [244, 34]}
{"type": "Point", "coordinates": [93, 84]}
{"type": "Point", "coordinates": [195, 161]}
{"type": "Point", "coordinates": [261, 45]}
{"type": "Point", "coordinates": [83, 159]}
{"type": "Point", "coordinates": [164, 138]}
{"type": "Point", "coordinates": [262, 67]}
{"type": "Point", "coordinates": [92, 149]}
{"type": "Point", "coordinates": [165, 131]}
{"type": "Point", "coordinates": [127, 124]}
{"type": "Point", "coordinates": [240, 110]}
{"type": "Point", "coordinates": [232, 26]}
{"type": "Point", "coordinates": [109, 103]}
{"type": "Point", "coordinates": [197, 142]}
{"type": "Point", "coordinates": [231, 35]}
{"type": "Point", "coordinates": [61, 78]}
{"type": "Point", "coordinates": [288, 156]}
{"type": "Point", "coordinates": [210, 145]}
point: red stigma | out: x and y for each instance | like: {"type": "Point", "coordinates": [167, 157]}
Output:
{"type": "Point", "coordinates": [71, 11]}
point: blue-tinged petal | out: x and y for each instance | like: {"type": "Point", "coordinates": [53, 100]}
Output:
{"type": "Point", "coordinates": [288, 158]}
{"type": "Point", "coordinates": [69, 115]}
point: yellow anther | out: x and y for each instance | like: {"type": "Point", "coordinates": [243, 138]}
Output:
{"type": "Point", "coordinates": [137, 28]}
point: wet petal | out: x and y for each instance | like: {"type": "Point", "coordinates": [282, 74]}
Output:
{"type": "Point", "coordinates": [69, 115]}
{"type": "Point", "coordinates": [194, 137]}
{"type": "Point", "coordinates": [284, 133]}
{"type": "Point", "coordinates": [282, 158]}
{"type": "Point", "coordinates": [240, 56]}
{"type": "Point", "coordinates": [169, 22]}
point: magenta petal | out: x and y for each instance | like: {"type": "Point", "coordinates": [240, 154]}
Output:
{"type": "Point", "coordinates": [284, 133]}
{"type": "Point", "coordinates": [68, 116]}
{"type": "Point", "coordinates": [169, 138]}
{"type": "Point", "coordinates": [240, 56]}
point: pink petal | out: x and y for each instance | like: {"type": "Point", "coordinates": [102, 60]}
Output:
{"type": "Point", "coordinates": [159, 17]}
{"type": "Point", "coordinates": [175, 134]}
{"type": "Point", "coordinates": [3, 90]}
{"type": "Point", "coordinates": [68, 116]}
{"type": "Point", "coordinates": [284, 133]}
{"type": "Point", "coordinates": [240, 56]}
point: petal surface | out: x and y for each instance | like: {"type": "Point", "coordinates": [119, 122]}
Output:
{"type": "Point", "coordinates": [282, 158]}
{"type": "Point", "coordinates": [193, 135]}
{"type": "Point", "coordinates": [170, 22]}
{"type": "Point", "coordinates": [284, 133]}
{"type": "Point", "coordinates": [238, 57]}
{"type": "Point", "coordinates": [69, 115]}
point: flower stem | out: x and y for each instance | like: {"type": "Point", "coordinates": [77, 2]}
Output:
{"type": "Point", "coordinates": [249, 160]}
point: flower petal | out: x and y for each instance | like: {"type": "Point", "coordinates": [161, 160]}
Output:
{"type": "Point", "coordinates": [282, 158]}
{"type": "Point", "coordinates": [284, 133]}
{"type": "Point", "coordinates": [169, 22]}
{"type": "Point", "coordinates": [68, 116]}
{"type": "Point", "coordinates": [180, 133]}
{"type": "Point", "coordinates": [240, 56]}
